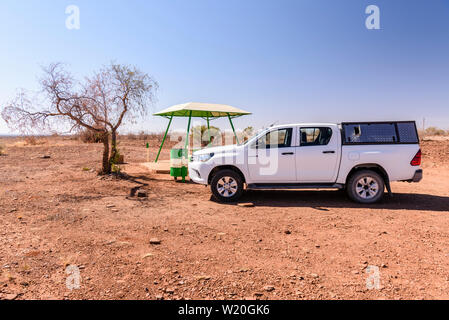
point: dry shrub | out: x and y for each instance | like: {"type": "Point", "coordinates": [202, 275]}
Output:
{"type": "Point", "coordinates": [34, 141]}
{"type": "Point", "coordinates": [156, 137]}
{"type": "Point", "coordinates": [30, 141]}
{"type": "Point", "coordinates": [143, 136]}
{"type": "Point", "coordinates": [1, 150]}
{"type": "Point", "coordinates": [140, 136]}
{"type": "Point", "coordinates": [89, 136]}
{"type": "Point", "coordinates": [131, 136]}
{"type": "Point", "coordinates": [433, 131]}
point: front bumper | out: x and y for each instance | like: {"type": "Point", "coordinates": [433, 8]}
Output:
{"type": "Point", "coordinates": [199, 172]}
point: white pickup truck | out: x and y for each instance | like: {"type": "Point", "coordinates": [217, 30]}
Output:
{"type": "Point", "coordinates": [362, 158]}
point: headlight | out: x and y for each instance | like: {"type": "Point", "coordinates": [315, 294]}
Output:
{"type": "Point", "coordinates": [203, 157]}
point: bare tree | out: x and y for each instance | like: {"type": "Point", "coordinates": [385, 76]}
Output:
{"type": "Point", "coordinates": [102, 103]}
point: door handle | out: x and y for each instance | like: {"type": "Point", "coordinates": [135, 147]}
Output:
{"type": "Point", "coordinates": [327, 152]}
{"type": "Point", "coordinates": [288, 154]}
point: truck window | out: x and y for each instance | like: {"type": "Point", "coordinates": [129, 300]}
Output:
{"type": "Point", "coordinates": [401, 132]}
{"type": "Point", "coordinates": [281, 138]}
{"type": "Point", "coordinates": [370, 133]}
{"type": "Point", "coordinates": [407, 132]}
{"type": "Point", "coordinates": [315, 136]}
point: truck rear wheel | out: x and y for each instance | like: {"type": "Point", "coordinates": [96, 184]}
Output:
{"type": "Point", "coordinates": [366, 186]}
{"type": "Point", "coordinates": [227, 186]}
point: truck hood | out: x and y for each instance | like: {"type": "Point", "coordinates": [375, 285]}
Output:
{"type": "Point", "coordinates": [216, 150]}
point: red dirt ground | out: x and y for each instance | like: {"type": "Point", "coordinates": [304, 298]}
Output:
{"type": "Point", "coordinates": [306, 245]}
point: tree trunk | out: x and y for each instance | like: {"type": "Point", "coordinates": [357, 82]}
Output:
{"type": "Point", "coordinates": [106, 163]}
{"type": "Point", "coordinates": [113, 145]}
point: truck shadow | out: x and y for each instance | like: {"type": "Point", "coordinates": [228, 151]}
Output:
{"type": "Point", "coordinates": [320, 200]}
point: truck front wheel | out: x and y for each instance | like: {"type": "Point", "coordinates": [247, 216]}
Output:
{"type": "Point", "coordinates": [366, 186]}
{"type": "Point", "coordinates": [227, 186]}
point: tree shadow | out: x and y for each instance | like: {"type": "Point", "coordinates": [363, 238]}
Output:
{"type": "Point", "coordinates": [321, 200]}
{"type": "Point", "coordinates": [135, 179]}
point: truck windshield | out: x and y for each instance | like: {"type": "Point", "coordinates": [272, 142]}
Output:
{"type": "Point", "coordinates": [250, 136]}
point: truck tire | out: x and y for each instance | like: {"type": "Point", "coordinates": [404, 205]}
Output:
{"type": "Point", "coordinates": [227, 186]}
{"type": "Point", "coordinates": [365, 186]}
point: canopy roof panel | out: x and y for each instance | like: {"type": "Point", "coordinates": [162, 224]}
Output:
{"type": "Point", "coordinates": [202, 110]}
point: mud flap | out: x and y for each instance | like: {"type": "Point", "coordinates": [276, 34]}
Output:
{"type": "Point", "coordinates": [387, 184]}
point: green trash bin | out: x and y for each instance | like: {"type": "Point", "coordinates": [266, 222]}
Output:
{"type": "Point", "coordinates": [179, 163]}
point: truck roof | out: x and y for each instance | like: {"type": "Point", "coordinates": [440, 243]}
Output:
{"type": "Point", "coordinates": [321, 124]}
{"type": "Point", "coordinates": [312, 124]}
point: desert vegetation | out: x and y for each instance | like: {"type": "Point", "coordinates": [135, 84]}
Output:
{"type": "Point", "coordinates": [434, 132]}
{"type": "Point", "coordinates": [98, 106]}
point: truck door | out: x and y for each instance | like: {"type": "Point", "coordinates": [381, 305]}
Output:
{"type": "Point", "coordinates": [272, 157]}
{"type": "Point", "coordinates": [318, 154]}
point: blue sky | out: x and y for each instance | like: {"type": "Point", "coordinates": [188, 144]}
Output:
{"type": "Point", "coordinates": [285, 60]}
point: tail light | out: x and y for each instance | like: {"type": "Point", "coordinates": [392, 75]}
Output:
{"type": "Point", "coordinates": [417, 159]}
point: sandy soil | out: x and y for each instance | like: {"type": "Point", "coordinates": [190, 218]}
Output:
{"type": "Point", "coordinates": [57, 212]}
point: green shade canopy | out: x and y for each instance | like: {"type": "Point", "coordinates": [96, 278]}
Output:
{"type": "Point", "coordinates": [208, 111]}
{"type": "Point", "coordinates": [202, 110]}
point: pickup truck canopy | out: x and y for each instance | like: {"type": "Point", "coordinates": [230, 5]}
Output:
{"type": "Point", "coordinates": [394, 132]}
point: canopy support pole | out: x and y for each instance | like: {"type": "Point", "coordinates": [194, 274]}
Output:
{"type": "Point", "coordinates": [232, 126]}
{"type": "Point", "coordinates": [188, 130]}
{"type": "Point", "coordinates": [163, 140]}
{"type": "Point", "coordinates": [208, 129]}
